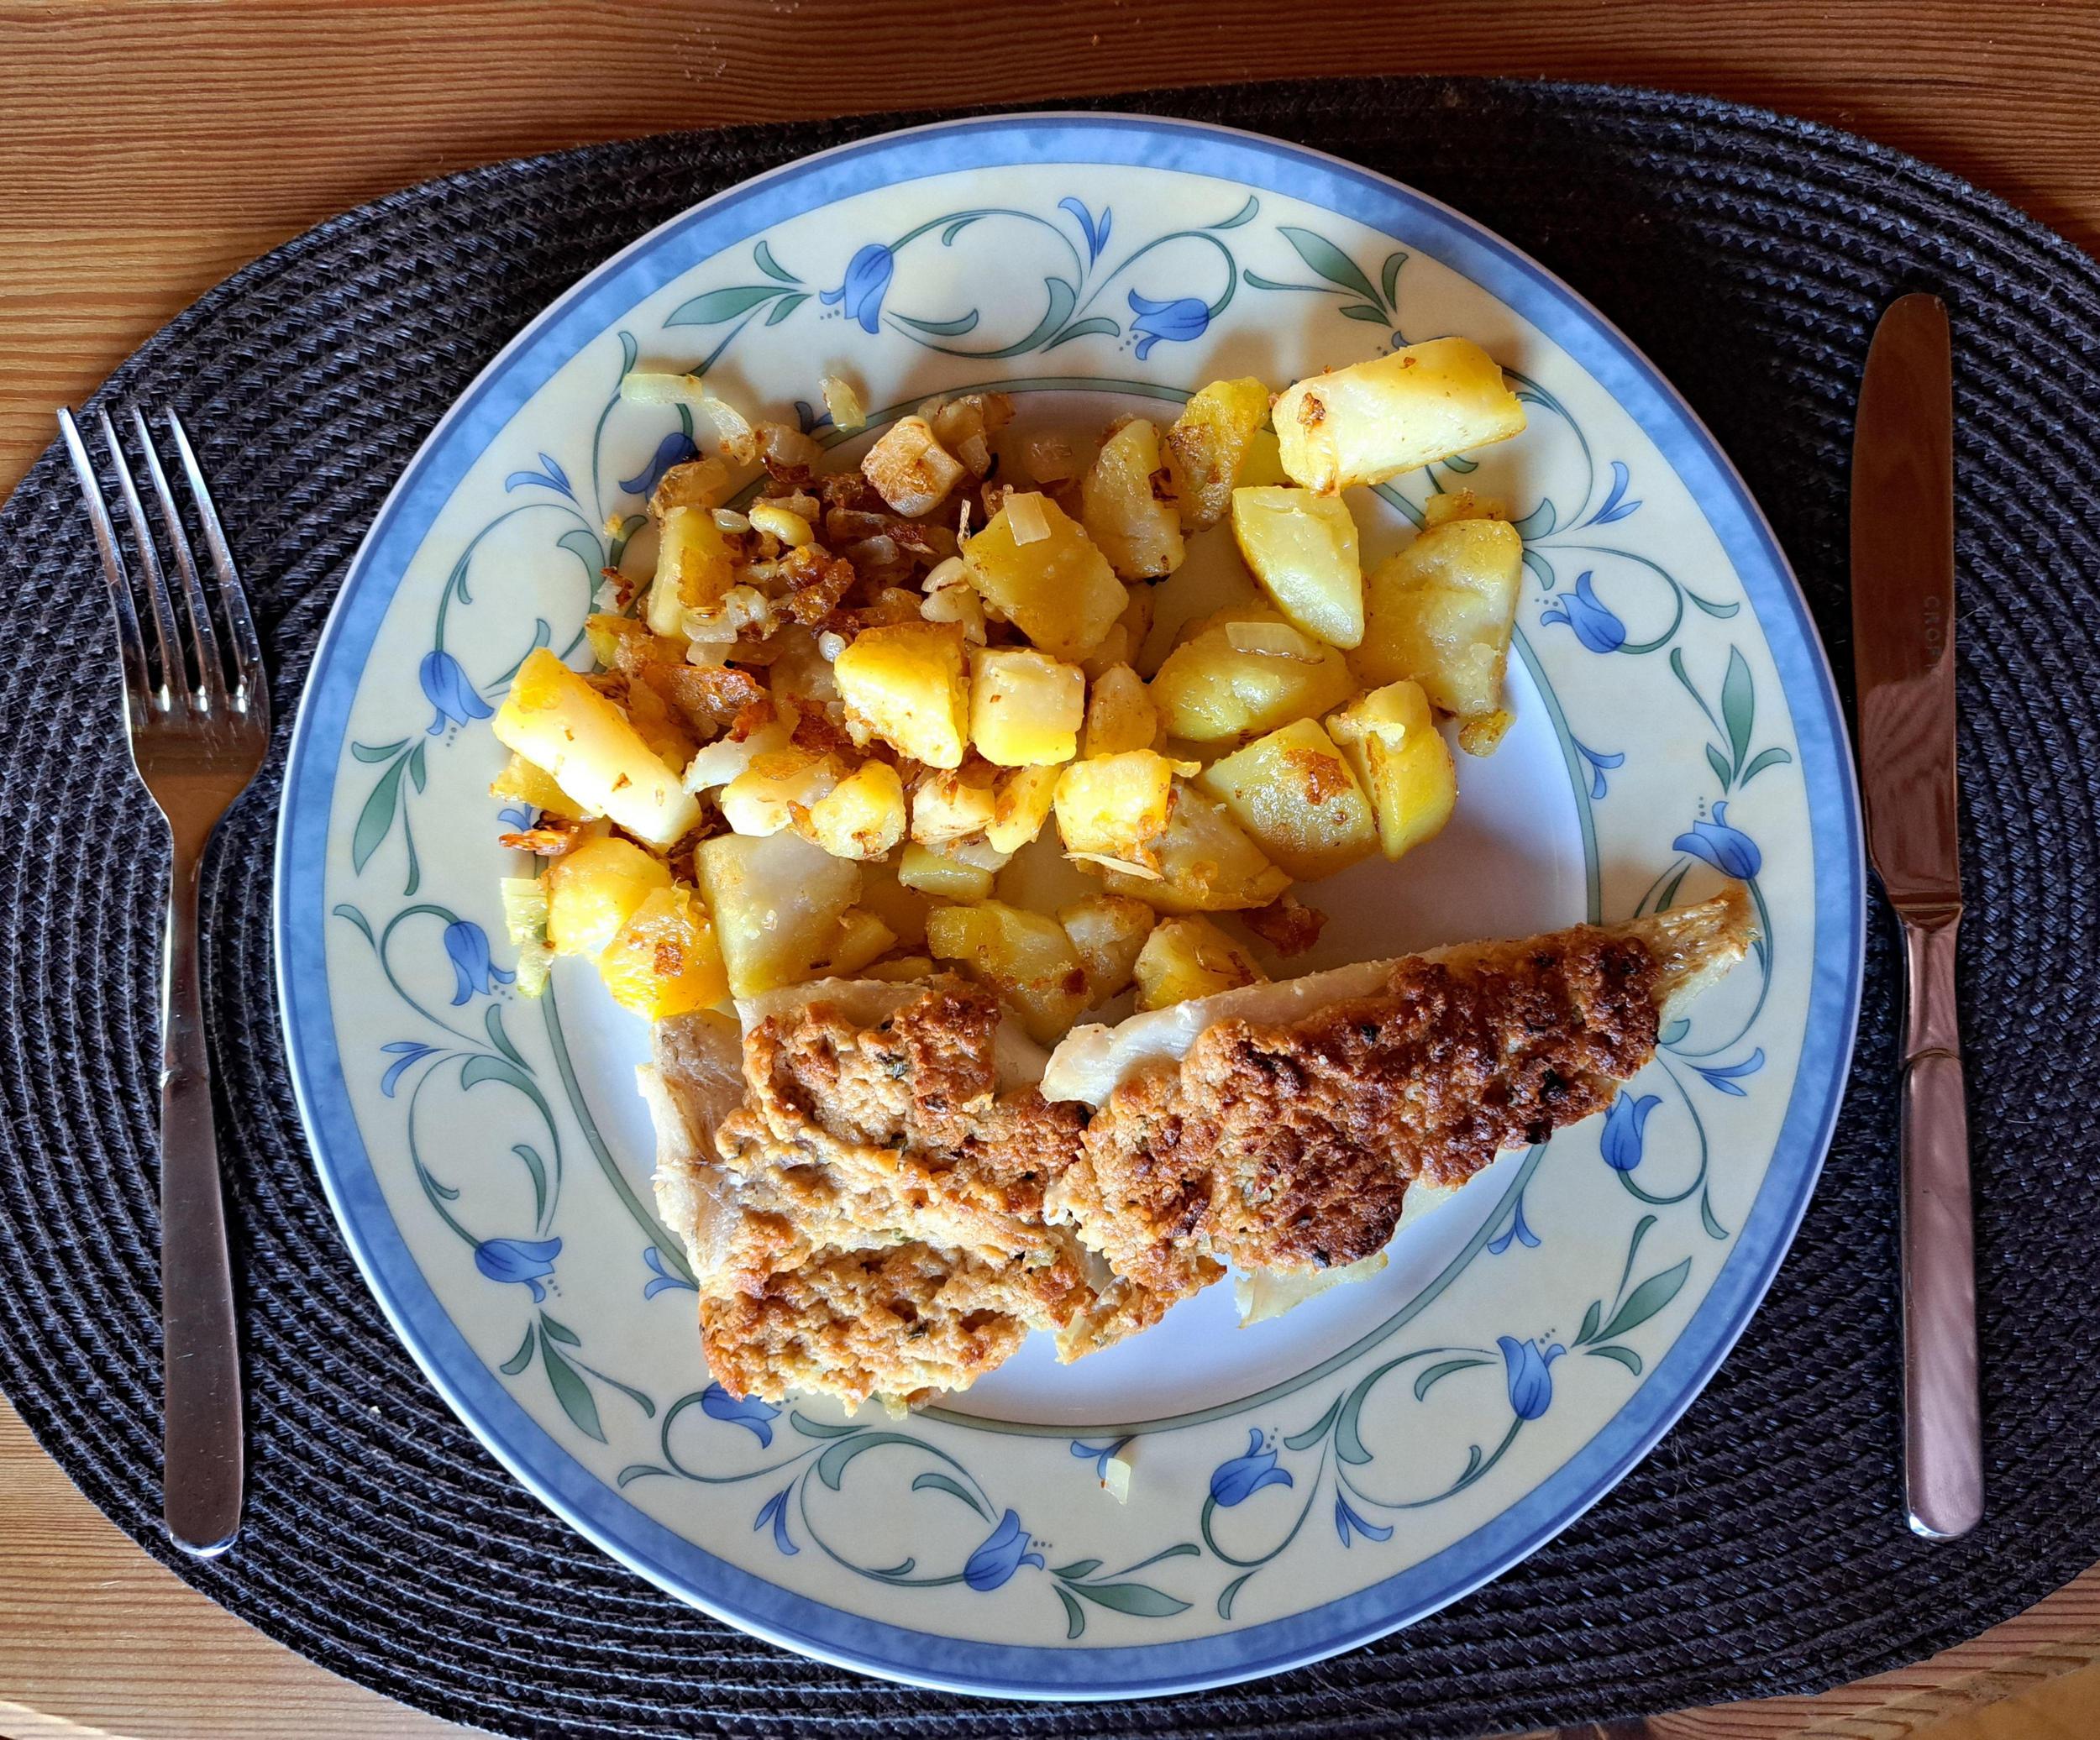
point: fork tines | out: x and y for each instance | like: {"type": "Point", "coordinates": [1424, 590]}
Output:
{"type": "Point", "coordinates": [186, 673]}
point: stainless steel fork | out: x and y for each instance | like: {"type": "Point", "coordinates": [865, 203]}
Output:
{"type": "Point", "coordinates": [198, 712]}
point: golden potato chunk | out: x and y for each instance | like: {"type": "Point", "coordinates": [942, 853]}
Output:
{"type": "Point", "coordinates": [910, 468]}
{"type": "Point", "coordinates": [905, 683]}
{"type": "Point", "coordinates": [1121, 508]}
{"type": "Point", "coordinates": [764, 798]}
{"type": "Point", "coordinates": [695, 483]}
{"type": "Point", "coordinates": [565, 728]}
{"type": "Point", "coordinates": [862, 816]}
{"type": "Point", "coordinates": [1205, 863]}
{"type": "Point", "coordinates": [594, 889]}
{"type": "Point", "coordinates": [1026, 707]}
{"type": "Point", "coordinates": [862, 936]}
{"type": "Point", "coordinates": [663, 961]}
{"type": "Point", "coordinates": [1020, 804]}
{"type": "Point", "coordinates": [927, 870]}
{"type": "Point", "coordinates": [1302, 548]}
{"type": "Point", "coordinates": [899, 969]}
{"type": "Point", "coordinates": [1375, 420]}
{"type": "Point", "coordinates": [1120, 714]}
{"type": "Point", "coordinates": [1190, 958]}
{"type": "Point", "coordinates": [1295, 794]}
{"type": "Point", "coordinates": [1209, 691]}
{"type": "Point", "coordinates": [1125, 636]}
{"type": "Point", "coordinates": [695, 566]}
{"type": "Point", "coordinates": [523, 782]}
{"type": "Point", "coordinates": [1440, 613]}
{"type": "Point", "coordinates": [1447, 505]}
{"type": "Point", "coordinates": [1209, 443]}
{"type": "Point", "coordinates": [1117, 806]}
{"type": "Point", "coordinates": [776, 901]}
{"type": "Point", "coordinates": [1108, 930]}
{"type": "Point", "coordinates": [1057, 589]}
{"type": "Point", "coordinates": [1404, 762]}
{"type": "Point", "coordinates": [903, 909]}
{"type": "Point", "coordinates": [1482, 734]}
{"type": "Point", "coordinates": [1025, 958]}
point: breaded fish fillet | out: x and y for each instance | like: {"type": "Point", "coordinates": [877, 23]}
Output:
{"type": "Point", "coordinates": [877, 1203]}
{"type": "Point", "coordinates": [862, 1194]}
{"type": "Point", "coordinates": [1289, 1146]}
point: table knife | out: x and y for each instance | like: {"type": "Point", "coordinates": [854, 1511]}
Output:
{"type": "Point", "coordinates": [1903, 646]}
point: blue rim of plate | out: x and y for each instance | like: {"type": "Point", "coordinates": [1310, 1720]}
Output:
{"type": "Point", "coordinates": [901, 1653]}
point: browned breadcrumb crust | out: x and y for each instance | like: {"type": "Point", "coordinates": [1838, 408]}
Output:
{"type": "Point", "coordinates": [910, 1104]}
{"type": "Point", "coordinates": [1291, 1148]}
{"type": "Point", "coordinates": [905, 1323]}
{"type": "Point", "coordinates": [888, 1235]}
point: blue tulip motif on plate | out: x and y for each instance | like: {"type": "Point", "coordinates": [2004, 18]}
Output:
{"type": "Point", "coordinates": [1625, 1126]}
{"type": "Point", "coordinates": [1528, 1368]}
{"type": "Point", "coordinates": [1176, 322]}
{"type": "Point", "coordinates": [1595, 624]}
{"type": "Point", "coordinates": [527, 1262]}
{"type": "Point", "coordinates": [446, 688]}
{"type": "Point", "coordinates": [1004, 1551]}
{"type": "Point", "coordinates": [754, 1416]}
{"type": "Point", "coordinates": [474, 974]}
{"type": "Point", "coordinates": [1726, 847]}
{"type": "Point", "coordinates": [1237, 1481]}
{"type": "Point", "coordinates": [867, 276]}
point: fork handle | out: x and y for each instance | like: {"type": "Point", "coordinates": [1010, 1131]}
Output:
{"type": "Point", "coordinates": [1943, 1446]}
{"type": "Point", "coordinates": [202, 1458]}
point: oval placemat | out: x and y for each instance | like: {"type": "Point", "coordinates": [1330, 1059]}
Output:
{"type": "Point", "coordinates": [1760, 1549]}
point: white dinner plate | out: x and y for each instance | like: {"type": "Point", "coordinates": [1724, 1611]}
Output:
{"type": "Point", "coordinates": [1295, 1487]}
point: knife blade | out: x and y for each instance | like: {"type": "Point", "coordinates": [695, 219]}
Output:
{"type": "Point", "coordinates": [1903, 657]}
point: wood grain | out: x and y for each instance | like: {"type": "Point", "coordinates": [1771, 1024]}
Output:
{"type": "Point", "coordinates": [146, 152]}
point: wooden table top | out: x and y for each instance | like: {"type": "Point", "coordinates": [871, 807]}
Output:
{"type": "Point", "coordinates": [146, 153]}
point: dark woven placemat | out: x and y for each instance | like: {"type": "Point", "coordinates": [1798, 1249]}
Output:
{"type": "Point", "coordinates": [1760, 1549]}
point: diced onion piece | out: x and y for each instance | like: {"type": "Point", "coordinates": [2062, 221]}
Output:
{"type": "Point", "coordinates": [830, 645]}
{"type": "Point", "coordinates": [1273, 640]}
{"type": "Point", "coordinates": [784, 446]}
{"type": "Point", "coordinates": [843, 403]}
{"type": "Point", "coordinates": [976, 452]}
{"type": "Point", "coordinates": [732, 428]}
{"type": "Point", "coordinates": [696, 483]}
{"type": "Point", "coordinates": [1144, 872]}
{"type": "Point", "coordinates": [724, 621]}
{"type": "Point", "coordinates": [957, 604]}
{"type": "Point", "coordinates": [976, 851]}
{"type": "Point", "coordinates": [1048, 459]}
{"type": "Point", "coordinates": [1115, 1477]}
{"type": "Point", "coordinates": [731, 520]}
{"type": "Point", "coordinates": [524, 908]}
{"type": "Point", "coordinates": [783, 523]}
{"type": "Point", "coordinates": [950, 572]}
{"type": "Point", "coordinates": [644, 388]}
{"type": "Point", "coordinates": [1024, 517]}
{"type": "Point", "coordinates": [525, 923]}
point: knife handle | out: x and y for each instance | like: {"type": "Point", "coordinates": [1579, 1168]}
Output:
{"type": "Point", "coordinates": [1943, 1438]}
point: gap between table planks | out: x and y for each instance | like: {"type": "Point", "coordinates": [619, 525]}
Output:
{"type": "Point", "coordinates": [146, 153]}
